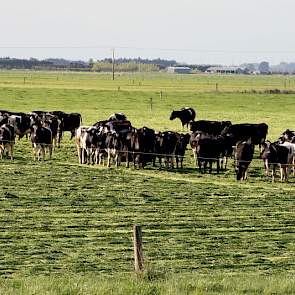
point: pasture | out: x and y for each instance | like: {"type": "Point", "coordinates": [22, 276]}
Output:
{"type": "Point", "coordinates": [66, 228]}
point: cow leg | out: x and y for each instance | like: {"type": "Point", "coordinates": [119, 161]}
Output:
{"type": "Point", "coordinates": [218, 166]}
{"type": "Point", "coordinates": [210, 166]}
{"type": "Point", "coordinates": [79, 154]}
{"type": "Point", "coordinates": [34, 152]}
{"type": "Point", "coordinates": [273, 174]}
{"type": "Point", "coordinates": [287, 172]}
{"type": "Point", "coordinates": [172, 162]}
{"type": "Point", "coordinates": [38, 153]}
{"type": "Point", "coordinates": [282, 173]}
{"type": "Point", "coordinates": [10, 148]}
{"type": "Point", "coordinates": [50, 151]}
{"type": "Point", "coordinates": [109, 159]}
{"type": "Point", "coordinates": [1, 151]}
{"type": "Point", "coordinates": [266, 167]}
{"type": "Point", "coordinates": [43, 152]}
{"type": "Point", "coordinates": [127, 159]}
{"type": "Point", "coordinates": [72, 134]}
{"type": "Point", "coordinates": [245, 174]}
{"type": "Point", "coordinates": [200, 165]}
{"type": "Point", "coordinates": [117, 160]}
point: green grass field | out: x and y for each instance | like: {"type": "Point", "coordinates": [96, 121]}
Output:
{"type": "Point", "coordinates": [67, 228]}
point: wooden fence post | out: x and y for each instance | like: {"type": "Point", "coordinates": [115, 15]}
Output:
{"type": "Point", "coordinates": [138, 255]}
{"type": "Point", "coordinates": [151, 104]}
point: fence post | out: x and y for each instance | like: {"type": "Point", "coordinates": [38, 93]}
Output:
{"type": "Point", "coordinates": [216, 87]}
{"type": "Point", "coordinates": [138, 254]}
{"type": "Point", "coordinates": [151, 104]}
{"type": "Point", "coordinates": [161, 95]}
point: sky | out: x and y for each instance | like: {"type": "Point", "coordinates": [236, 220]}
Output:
{"type": "Point", "coordinates": [188, 31]}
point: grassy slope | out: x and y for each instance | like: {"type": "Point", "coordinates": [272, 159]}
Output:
{"type": "Point", "coordinates": [59, 217]}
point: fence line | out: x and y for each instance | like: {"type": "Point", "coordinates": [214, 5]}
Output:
{"type": "Point", "coordinates": [163, 155]}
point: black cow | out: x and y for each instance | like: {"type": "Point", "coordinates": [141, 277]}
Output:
{"type": "Point", "coordinates": [278, 154]}
{"type": "Point", "coordinates": [182, 142]}
{"type": "Point", "coordinates": [41, 138]}
{"type": "Point", "coordinates": [186, 115]}
{"type": "Point", "coordinates": [243, 157]}
{"type": "Point", "coordinates": [208, 150]}
{"type": "Point", "coordinates": [165, 147]}
{"type": "Point", "coordinates": [7, 139]}
{"type": "Point", "coordinates": [242, 132]}
{"type": "Point", "coordinates": [69, 122]}
{"type": "Point", "coordinates": [146, 146]}
{"type": "Point", "coordinates": [210, 127]}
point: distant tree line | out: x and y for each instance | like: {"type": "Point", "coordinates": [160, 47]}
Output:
{"type": "Point", "coordinates": [104, 65]}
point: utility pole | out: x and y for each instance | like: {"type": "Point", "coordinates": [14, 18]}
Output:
{"type": "Point", "coordinates": [113, 64]}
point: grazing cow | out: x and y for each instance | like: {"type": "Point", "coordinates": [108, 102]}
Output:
{"type": "Point", "coordinates": [242, 132]}
{"type": "Point", "coordinates": [278, 154]}
{"type": "Point", "coordinates": [186, 115]}
{"type": "Point", "coordinates": [7, 139]}
{"type": "Point", "coordinates": [210, 127]}
{"type": "Point", "coordinates": [118, 117]}
{"type": "Point", "coordinates": [41, 138]}
{"type": "Point", "coordinates": [243, 157]}
{"type": "Point", "coordinates": [182, 142]}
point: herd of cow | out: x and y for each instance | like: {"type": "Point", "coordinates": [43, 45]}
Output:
{"type": "Point", "coordinates": [115, 140]}
{"type": "Point", "coordinates": [45, 129]}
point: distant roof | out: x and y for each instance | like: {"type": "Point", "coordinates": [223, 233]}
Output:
{"type": "Point", "coordinates": [179, 68]}
{"type": "Point", "coordinates": [226, 68]}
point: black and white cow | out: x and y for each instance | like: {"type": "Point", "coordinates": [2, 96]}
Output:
{"type": "Point", "coordinates": [7, 140]}
{"type": "Point", "coordinates": [21, 123]}
{"type": "Point", "coordinates": [278, 155]}
{"type": "Point", "coordinates": [186, 115]}
{"type": "Point", "coordinates": [118, 117]}
{"type": "Point", "coordinates": [243, 157]}
{"type": "Point", "coordinates": [41, 138]}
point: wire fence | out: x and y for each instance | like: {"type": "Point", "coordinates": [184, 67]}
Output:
{"type": "Point", "coordinates": [188, 158]}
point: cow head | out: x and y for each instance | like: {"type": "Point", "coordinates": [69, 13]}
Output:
{"type": "Point", "coordinates": [173, 115]}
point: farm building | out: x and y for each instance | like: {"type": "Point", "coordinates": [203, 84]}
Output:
{"type": "Point", "coordinates": [179, 70]}
{"type": "Point", "coordinates": [227, 70]}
